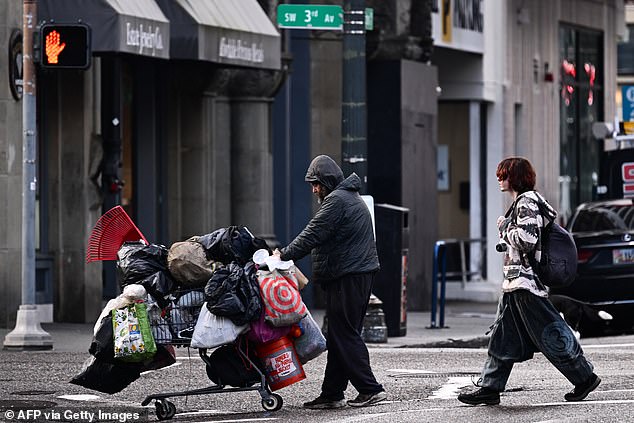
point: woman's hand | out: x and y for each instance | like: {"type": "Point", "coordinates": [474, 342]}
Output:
{"type": "Point", "coordinates": [500, 222]}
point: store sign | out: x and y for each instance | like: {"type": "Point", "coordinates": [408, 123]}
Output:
{"type": "Point", "coordinates": [627, 173]}
{"type": "Point", "coordinates": [237, 49]}
{"type": "Point", "coordinates": [146, 40]}
{"type": "Point", "coordinates": [627, 96]}
{"type": "Point", "coordinates": [459, 24]}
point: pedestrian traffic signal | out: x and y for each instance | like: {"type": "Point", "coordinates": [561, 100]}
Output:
{"type": "Point", "coordinates": [65, 46]}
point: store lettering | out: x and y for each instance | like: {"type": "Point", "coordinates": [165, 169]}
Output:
{"type": "Point", "coordinates": [238, 50]}
{"type": "Point", "coordinates": [150, 39]}
{"type": "Point", "coordinates": [467, 14]}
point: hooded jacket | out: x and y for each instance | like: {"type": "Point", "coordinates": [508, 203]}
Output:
{"type": "Point", "coordinates": [340, 235]}
{"type": "Point", "coordinates": [521, 232]}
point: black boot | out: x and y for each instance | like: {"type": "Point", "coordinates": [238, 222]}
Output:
{"type": "Point", "coordinates": [481, 396]}
{"type": "Point", "coordinates": [582, 391]}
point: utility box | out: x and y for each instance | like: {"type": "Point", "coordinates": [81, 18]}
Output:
{"type": "Point", "coordinates": [390, 285]}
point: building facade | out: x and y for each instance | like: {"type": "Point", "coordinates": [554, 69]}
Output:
{"type": "Point", "coordinates": [172, 121]}
{"type": "Point", "coordinates": [525, 79]}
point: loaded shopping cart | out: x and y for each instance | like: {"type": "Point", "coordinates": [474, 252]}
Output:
{"type": "Point", "coordinates": [178, 297]}
{"type": "Point", "coordinates": [174, 326]}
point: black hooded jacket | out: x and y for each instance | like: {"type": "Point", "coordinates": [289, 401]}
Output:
{"type": "Point", "coordinates": [340, 234]}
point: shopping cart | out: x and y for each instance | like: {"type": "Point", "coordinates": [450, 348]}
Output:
{"type": "Point", "coordinates": [174, 325]}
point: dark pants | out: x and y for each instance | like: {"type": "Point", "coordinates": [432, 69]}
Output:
{"type": "Point", "coordinates": [348, 358]}
{"type": "Point", "coordinates": [527, 324]}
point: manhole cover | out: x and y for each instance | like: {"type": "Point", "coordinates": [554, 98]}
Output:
{"type": "Point", "coordinates": [25, 405]}
{"type": "Point", "coordinates": [33, 392]}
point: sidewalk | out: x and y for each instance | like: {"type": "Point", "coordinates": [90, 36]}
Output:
{"type": "Point", "coordinates": [465, 325]}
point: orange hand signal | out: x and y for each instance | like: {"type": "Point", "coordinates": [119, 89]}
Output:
{"type": "Point", "coordinates": [53, 47]}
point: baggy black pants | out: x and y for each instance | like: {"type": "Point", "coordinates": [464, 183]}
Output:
{"type": "Point", "coordinates": [348, 359]}
{"type": "Point", "coordinates": [527, 324]}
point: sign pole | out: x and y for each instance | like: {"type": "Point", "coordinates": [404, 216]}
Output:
{"type": "Point", "coordinates": [354, 146]}
{"type": "Point", "coordinates": [27, 333]}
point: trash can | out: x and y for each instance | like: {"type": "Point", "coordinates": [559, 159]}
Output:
{"type": "Point", "coordinates": [390, 285]}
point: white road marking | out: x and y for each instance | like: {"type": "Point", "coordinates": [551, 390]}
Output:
{"type": "Point", "coordinates": [80, 397]}
{"type": "Point", "coordinates": [261, 419]}
{"type": "Point", "coordinates": [411, 371]}
{"type": "Point", "coordinates": [451, 388]}
{"type": "Point", "coordinates": [585, 402]}
{"type": "Point", "coordinates": [162, 368]}
{"type": "Point", "coordinates": [606, 345]}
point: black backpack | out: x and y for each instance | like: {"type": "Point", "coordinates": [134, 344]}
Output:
{"type": "Point", "coordinates": [558, 265]}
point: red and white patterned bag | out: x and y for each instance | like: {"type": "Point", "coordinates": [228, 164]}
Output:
{"type": "Point", "coordinates": [280, 294]}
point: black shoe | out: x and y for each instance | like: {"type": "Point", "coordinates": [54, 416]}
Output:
{"type": "Point", "coordinates": [364, 400]}
{"type": "Point", "coordinates": [321, 403]}
{"type": "Point", "coordinates": [481, 396]}
{"type": "Point", "coordinates": [582, 391]}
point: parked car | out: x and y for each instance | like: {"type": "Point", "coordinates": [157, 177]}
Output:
{"type": "Point", "coordinates": [604, 235]}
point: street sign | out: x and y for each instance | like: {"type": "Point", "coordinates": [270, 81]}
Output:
{"type": "Point", "coordinates": [369, 19]}
{"type": "Point", "coordinates": [310, 16]}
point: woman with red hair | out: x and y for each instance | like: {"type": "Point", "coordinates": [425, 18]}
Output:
{"type": "Point", "coordinates": [527, 322]}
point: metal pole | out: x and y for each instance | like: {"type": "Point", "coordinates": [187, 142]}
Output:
{"type": "Point", "coordinates": [354, 148]}
{"type": "Point", "coordinates": [28, 156]}
{"type": "Point", "coordinates": [27, 333]}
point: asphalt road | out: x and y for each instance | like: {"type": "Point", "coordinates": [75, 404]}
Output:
{"type": "Point", "coordinates": [422, 384]}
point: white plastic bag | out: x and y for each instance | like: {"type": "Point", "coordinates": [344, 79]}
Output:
{"type": "Point", "coordinates": [212, 331]}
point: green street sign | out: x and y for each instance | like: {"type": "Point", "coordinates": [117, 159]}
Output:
{"type": "Point", "coordinates": [369, 19]}
{"type": "Point", "coordinates": [310, 16]}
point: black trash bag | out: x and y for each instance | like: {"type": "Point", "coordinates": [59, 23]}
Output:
{"type": "Point", "coordinates": [234, 243]}
{"type": "Point", "coordinates": [102, 345]}
{"type": "Point", "coordinates": [227, 367]}
{"type": "Point", "coordinates": [145, 265]}
{"type": "Point", "coordinates": [105, 377]}
{"type": "Point", "coordinates": [234, 293]}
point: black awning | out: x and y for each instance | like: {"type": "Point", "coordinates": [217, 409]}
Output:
{"type": "Point", "coordinates": [123, 26]}
{"type": "Point", "coordinates": [235, 32]}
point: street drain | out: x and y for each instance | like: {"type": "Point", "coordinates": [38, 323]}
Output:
{"type": "Point", "coordinates": [427, 375]}
{"type": "Point", "coordinates": [33, 392]}
{"type": "Point", "coordinates": [25, 405]}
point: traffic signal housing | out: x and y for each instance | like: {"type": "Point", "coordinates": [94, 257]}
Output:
{"type": "Point", "coordinates": [65, 46]}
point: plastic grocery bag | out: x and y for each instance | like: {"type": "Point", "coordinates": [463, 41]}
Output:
{"type": "Point", "coordinates": [282, 301]}
{"type": "Point", "coordinates": [311, 343]}
{"type": "Point", "coordinates": [133, 340]}
{"type": "Point", "coordinates": [262, 332]}
{"type": "Point", "coordinates": [212, 331]}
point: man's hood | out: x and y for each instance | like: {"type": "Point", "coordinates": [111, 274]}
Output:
{"type": "Point", "coordinates": [326, 171]}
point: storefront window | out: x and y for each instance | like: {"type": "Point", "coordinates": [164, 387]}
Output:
{"type": "Point", "coordinates": [581, 104]}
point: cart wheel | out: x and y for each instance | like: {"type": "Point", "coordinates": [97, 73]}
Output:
{"type": "Point", "coordinates": [165, 410]}
{"type": "Point", "coordinates": [272, 403]}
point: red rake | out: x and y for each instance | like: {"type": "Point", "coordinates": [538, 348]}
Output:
{"type": "Point", "coordinates": [110, 232]}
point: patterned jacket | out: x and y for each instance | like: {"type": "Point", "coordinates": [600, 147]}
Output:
{"type": "Point", "coordinates": [521, 233]}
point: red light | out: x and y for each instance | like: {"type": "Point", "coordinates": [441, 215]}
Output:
{"type": "Point", "coordinates": [583, 256]}
{"type": "Point", "coordinates": [53, 46]}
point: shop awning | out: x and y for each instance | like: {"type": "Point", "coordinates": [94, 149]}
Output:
{"type": "Point", "coordinates": [123, 26]}
{"type": "Point", "coordinates": [235, 32]}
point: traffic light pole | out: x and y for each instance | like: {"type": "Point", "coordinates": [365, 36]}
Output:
{"type": "Point", "coordinates": [27, 333]}
{"type": "Point", "coordinates": [354, 143]}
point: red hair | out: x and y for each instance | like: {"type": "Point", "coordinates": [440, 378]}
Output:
{"type": "Point", "coordinates": [519, 172]}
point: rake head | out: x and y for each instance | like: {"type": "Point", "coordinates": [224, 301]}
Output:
{"type": "Point", "coordinates": [110, 232]}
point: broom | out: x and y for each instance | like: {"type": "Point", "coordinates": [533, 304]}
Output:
{"type": "Point", "coordinates": [110, 232]}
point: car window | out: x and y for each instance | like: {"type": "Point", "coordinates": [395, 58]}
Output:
{"type": "Point", "coordinates": [603, 218]}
